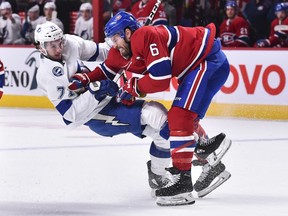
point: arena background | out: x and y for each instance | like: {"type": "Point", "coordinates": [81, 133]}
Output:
{"type": "Point", "coordinates": [256, 87]}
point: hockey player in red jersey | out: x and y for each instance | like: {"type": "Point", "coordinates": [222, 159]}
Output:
{"type": "Point", "coordinates": [143, 8]}
{"type": "Point", "coordinates": [1, 78]}
{"type": "Point", "coordinates": [160, 53]}
{"type": "Point", "coordinates": [194, 57]}
{"type": "Point", "coordinates": [278, 30]}
{"type": "Point", "coordinates": [234, 31]}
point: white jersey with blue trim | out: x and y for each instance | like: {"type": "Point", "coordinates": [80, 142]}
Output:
{"type": "Point", "coordinates": [53, 79]}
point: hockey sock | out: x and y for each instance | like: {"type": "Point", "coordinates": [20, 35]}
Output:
{"type": "Point", "coordinates": [182, 142]}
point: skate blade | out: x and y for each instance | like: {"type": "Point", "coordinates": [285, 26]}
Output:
{"type": "Point", "coordinates": [214, 158]}
{"type": "Point", "coordinates": [221, 178]}
{"type": "Point", "coordinates": [181, 199]}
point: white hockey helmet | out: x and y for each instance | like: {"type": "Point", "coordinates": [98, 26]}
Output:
{"type": "Point", "coordinates": [46, 32]}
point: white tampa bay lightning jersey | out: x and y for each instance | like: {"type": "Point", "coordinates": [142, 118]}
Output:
{"type": "Point", "coordinates": [53, 79]}
{"type": "Point", "coordinates": [9, 31]}
{"type": "Point", "coordinates": [84, 28]}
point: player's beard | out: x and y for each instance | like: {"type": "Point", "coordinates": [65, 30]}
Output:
{"type": "Point", "coordinates": [126, 50]}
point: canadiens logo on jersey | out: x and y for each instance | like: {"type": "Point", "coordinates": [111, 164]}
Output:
{"type": "Point", "coordinates": [228, 37]}
{"type": "Point", "coordinates": [118, 17]}
{"type": "Point", "coordinates": [57, 71]}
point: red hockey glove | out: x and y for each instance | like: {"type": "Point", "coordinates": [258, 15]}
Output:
{"type": "Point", "coordinates": [129, 91]}
{"type": "Point", "coordinates": [79, 82]}
{"type": "Point", "coordinates": [125, 97]}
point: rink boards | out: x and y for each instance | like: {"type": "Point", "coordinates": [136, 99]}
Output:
{"type": "Point", "coordinates": [256, 87]}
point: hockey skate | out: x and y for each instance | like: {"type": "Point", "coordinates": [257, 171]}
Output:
{"type": "Point", "coordinates": [213, 149]}
{"type": "Point", "coordinates": [216, 174]}
{"type": "Point", "coordinates": [156, 181]}
{"type": "Point", "coordinates": [178, 191]}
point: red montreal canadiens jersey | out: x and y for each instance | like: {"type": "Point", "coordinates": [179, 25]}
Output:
{"type": "Point", "coordinates": [168, 52]}
{"type": "Point", "coordinates": [160, 53]}
{"type": "Point", "coordinates": [279, 38]}
{"type": "Point", "coordinates": [234, 33]}
{"type": "Point", "coordinates": [141, 12]}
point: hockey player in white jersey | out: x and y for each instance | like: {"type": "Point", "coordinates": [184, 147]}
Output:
{"type": "Point", "coordinates": [101, 113]}
{"type": "Point", "coordinates": [98, 108]}
{"type": "Point", "coordinates": [84, 23]}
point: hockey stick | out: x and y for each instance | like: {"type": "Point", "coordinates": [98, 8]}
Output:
{"type": "Point", "coordinates": [152, 13]}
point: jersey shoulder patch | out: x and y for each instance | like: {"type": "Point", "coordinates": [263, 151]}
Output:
{"type": "Point", "coordinates": [57, 71]}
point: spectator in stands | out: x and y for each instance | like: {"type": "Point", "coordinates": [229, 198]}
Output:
{"type": "Point", "coordinates": [84, 23]}
{"type": "Point", "coordinates": [170, 11]}
{"type": "Point", "coordinates": [10, 25]}
{"type": "Point", "coordinates": [13, 4]}
{"type": "Point", "coordinates": [30, 23]}
{"type": "Point", "coordinates": [107, 11]}
{"type": "Point", "coordinates": [143, 8]}
{"type": "Point", "coordinates": [50, 13]}
{"type": "Point", "coordinates": [256, 13]}
{"type": "Point", "coordinates": [278, 29]}
{"type": "Point", "coordinates": [234, 31]}
{"type": "Point", "coordinates": [121, 5]}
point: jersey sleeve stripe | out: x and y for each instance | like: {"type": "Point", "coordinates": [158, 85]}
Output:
{"type": "Point", "coordinates": [110, 74]}
{"type": "Point", "coordinates": [95, 56]}
{"type": "Point", "coordinates": [160, 77]}
{"type": "Point", "coordinates": [63, 106]}
{"type": "Point", "coordinates": [157, 62]}
{"type": "Point", "coordinates": [173, 37]}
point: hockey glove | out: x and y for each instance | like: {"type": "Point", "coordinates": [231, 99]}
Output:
{"type": "Point", "coordinates": [103, 88]}
{"type": "Point", "coordinates": [125, 98]}
{"type": "Point", "coordinates": [1, 78]}
{"type": "Point", "coordinates": [79, 82]}
{"type": "Point", "coordinates": [263, 43]}
{"type": "Point", "coordinates": [129, 91]}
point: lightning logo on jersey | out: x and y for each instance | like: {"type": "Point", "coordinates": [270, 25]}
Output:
{"type": "Point", "coordinates": [108, 120]}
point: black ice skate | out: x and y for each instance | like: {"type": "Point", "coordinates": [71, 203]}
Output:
{"type": "Point", "coordinates": [178, 191]}
{"type": "Point", "coordinates": [156, 181]}
{"type": "Point", "coordinates": [216, 174]}
{"type": "Point", "coordinates": [213, 149]}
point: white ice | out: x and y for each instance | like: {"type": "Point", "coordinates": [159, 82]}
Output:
{"type": "Point", "coordinates": [46, 169]}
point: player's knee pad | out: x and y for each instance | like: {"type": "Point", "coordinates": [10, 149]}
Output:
{"type": "Point", "coordinates": [181, 121]}
{"type": "Point", "coordinates": [153, 114]}
{"type": "Point", "coordinates": [158, 140]}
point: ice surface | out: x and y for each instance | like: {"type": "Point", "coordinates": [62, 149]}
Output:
{"type": "Point", "coordinates": [46, 169]}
